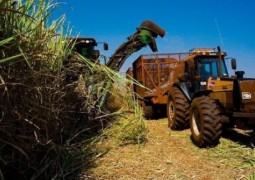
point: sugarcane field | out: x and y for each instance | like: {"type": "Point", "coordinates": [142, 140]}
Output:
{"type": "Point", "coordinates": [133, 90]}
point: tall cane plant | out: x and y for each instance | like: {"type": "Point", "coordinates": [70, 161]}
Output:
{"type": "Point", "coordinates": [47, 123]}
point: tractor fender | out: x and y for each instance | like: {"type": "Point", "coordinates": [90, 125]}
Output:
{"type": "Point", "coordinates": [184, 87]}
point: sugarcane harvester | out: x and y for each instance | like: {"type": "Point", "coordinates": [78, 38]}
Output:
{"type": "Point", "coordinates": [145, 35]}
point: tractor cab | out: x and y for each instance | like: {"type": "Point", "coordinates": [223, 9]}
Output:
{"type": "Point", "coordinates": [86, 47]}
{"type": "Point", "coordinates": [203, 64]}
{"type": "Point", "coordinates": [209, 67]}
{"type": "Point", "coordinates": [209, 63]}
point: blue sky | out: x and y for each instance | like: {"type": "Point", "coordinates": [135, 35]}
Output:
{"type": "Point", "coordinates": [188, 24]}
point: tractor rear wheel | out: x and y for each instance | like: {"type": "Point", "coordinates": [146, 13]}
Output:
{"type": "Point", "coordinates": [205, 122]}
{"type": "Point", "coordinates": [177, 110]}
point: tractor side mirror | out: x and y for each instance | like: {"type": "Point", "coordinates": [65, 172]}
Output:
{"type": "Point", "coordinates": [105, 46]}
{"type": "Point", "coordinates": [233, 63]}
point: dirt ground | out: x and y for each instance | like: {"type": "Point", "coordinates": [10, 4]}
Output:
{"type": "Point", "coordinates": [171, 155]}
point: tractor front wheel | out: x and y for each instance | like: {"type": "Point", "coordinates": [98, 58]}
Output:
{"type": "Point", "coordinates": [205, 122]}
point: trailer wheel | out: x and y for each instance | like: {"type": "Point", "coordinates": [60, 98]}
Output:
{"type": "Point", "coordinates": [177, 110]}
{"type": "Point", "coordinates": [205, 122]}
{"type": "Point", "coordinates": [148, 111]}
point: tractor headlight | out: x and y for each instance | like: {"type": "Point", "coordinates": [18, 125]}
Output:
{"type": "Point", "coordinates": [246, 95]}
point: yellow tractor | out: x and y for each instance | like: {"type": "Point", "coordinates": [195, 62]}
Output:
{"type": "Point", "coordinates": [204, 97]}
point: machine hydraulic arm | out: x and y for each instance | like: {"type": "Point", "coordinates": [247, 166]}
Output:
{"type": "Point", "coordinates": [145, 35]}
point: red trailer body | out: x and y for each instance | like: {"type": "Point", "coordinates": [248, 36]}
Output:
{"type": "Point", "coordinates": [155, 73]}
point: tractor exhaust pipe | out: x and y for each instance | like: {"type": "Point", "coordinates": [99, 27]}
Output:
{"type": "Point", "coordinates": [220, 61]}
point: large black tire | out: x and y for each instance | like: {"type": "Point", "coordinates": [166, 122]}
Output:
{"type": "Point", "coordinates": [148, 111]}
{"type": "Point", "coordinates": [205, 122]}
{"type": "Point", "coordinates": [177, 110]}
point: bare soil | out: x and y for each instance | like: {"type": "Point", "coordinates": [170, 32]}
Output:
{"type": "Point", "coordinates": [172, 155]}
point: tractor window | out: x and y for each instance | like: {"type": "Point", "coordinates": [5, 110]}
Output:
{"type": "Point", "coordinates": [85, 49]}
{"type": "Point", "coordinates": [209, 67]}
{"type": "Point", "coordinates": [224, 69]}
